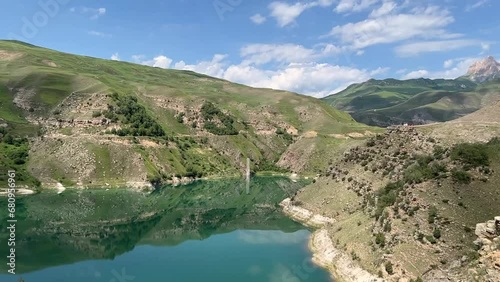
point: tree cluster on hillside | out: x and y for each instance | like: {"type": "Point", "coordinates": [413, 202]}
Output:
{"type": "Point", "coordinates": [211, 114]}
{"type": "Point", "coordinates": [131, 113]}
{"type": "Point", "coordinates": [14, 153]}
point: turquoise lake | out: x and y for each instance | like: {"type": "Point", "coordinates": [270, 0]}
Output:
{"type": "Point", "coordinates": [207, 231]}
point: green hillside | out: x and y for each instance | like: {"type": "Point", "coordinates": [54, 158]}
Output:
{"type": "Point", "coordinates": [419, 101]}
{"type": "Point", "coordinates": [84, 122]}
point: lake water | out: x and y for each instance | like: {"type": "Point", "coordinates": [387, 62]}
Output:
{"type": "Point", "coordinates": [212, 231]}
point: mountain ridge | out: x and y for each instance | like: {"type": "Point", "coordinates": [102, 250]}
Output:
{"type": "Point", "coordinates": [484, 70]}
{"type": "Point", "coordinates": [419, 101]}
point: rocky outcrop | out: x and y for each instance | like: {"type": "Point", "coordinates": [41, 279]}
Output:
{"type": "Point", "coordinates": [488, 243]}
{"type": "Point", "coordinates": [304, 216]}
{"type": "Point", "coordinates": [340, 264]}
{"type": "Point", "coordinates": [485, 70]}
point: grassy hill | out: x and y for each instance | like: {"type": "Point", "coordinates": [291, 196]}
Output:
{"type": "Point", "coordinates": [84, 121]}
{"type": "Point", "coordinates": [419, 101]}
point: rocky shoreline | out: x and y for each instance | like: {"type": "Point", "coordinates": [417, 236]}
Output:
{"type": "Point", "coordinates": [340, 265]}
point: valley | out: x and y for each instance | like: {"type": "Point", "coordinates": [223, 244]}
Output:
{"type": "Point", "coordinates": [89, 122]}
{"type": "Point", "coordinates": [420, 101]}
{"type": "Point", "coordinates": [120, 159]}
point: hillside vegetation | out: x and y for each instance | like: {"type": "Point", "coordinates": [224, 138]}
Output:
{"type": "Point", "coordinates": [87, 122]}
{"type": "Point", "coordinates": [406, 203]}
{"type": "Point", "coordinates": [418, 101]}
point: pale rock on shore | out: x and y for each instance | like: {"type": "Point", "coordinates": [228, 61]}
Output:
{"type": "Point", "coordinates": [339, 264]}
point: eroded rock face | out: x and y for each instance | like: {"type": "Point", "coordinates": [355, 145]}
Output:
{"type": "Point", "coordinates": [484, 70]}
{"type": "Point", "coordinates": [489, 246]}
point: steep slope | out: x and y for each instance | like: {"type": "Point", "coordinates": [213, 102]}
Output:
{"type": "Point", "coordinates": [419, 101]}
{"type": "Point", "coordinates": [93, 122]}
{"type": "Point", "coordinates": [405, 205]}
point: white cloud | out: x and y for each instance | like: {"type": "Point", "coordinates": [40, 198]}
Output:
{"type": "Point", "coordinates": [285, 53]}
{"type": "Point", "coordinates": [448, 64]}
{"type": "Point", "coordinates": [453, 68]}
{"type": "Point", "coordinates": [485, 47]}
{"type": "Point", "coordinates": [215, 67]}
{"type": "Point", "coordinates": [416, 74]}
{"type": "Point", "coordinates": [413, 49]}
{"type": "Point", "coordinates": [99, 34]}
{"type": "Point", "coordinates": [314, 79]}
{"type": "Point", "coordinates": [309, 78]}
{"type": "Point", "coordinates": [138, 58]}
{"type": "Point", "coordinates": [386, 8]}
{"type": "Point", "coordinates": [280, 66]}
{"type": "Point", "coordinates": [157, 62]}
{"type": "Point", "coordinates": [285, 14]}
{"type": "Point", "coordinates": [93, 13]}
{"type": "Point", "coordinates": [100, 12]}
{"type": "Point", "coordinates": [478, 4]}
{"type": "Point", "coordinates": [346, 6]}
{"type": "Point", "coordinates": [419, 23]}
{"type": "Point", "coordinates": [379, 71]}
{"type": "Point", "coordinates": [115, 57]}
{"type": "Point", "coordinates": [258, 19]}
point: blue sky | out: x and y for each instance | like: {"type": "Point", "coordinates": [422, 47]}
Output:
{"type": "Point", "coordinates": [313, 47]}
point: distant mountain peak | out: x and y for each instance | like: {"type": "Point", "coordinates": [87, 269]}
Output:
{"type": "Point", "coordinates": [484, 70]}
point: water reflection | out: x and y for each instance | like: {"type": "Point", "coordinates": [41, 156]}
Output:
{"type": "Point", "coordinates": [88, 225]}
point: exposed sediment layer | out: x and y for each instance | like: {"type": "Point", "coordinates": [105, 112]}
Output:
{"type": "Point", "coordinates": [339, 264]}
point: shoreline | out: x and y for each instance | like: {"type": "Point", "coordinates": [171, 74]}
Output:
{"type": "Point", "coordinates": [138, 186]}
{"type": "Point", "coordinates": [339, 264]}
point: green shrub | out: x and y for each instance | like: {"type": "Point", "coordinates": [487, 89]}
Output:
{"type": "Point", "coordinates": [433, 214]}
{"type": "Point", "coordinates": [210, 113]}
{"type": "Point", "coordinates": [370, 142]}
{"type": "Point", "coordinates": [387, 197]}
{"type": "Point", "coordinates": [131, 113]}
{"type": "Point", "coordinates": [285, 135]}
{"type": "Point", "coordinates": [96, 114]}
{"type": "Point", "coordinates": [436, 233]}
{"type": "Point", "coordinates": [380, 239]}
{"type": "Point", "coordinates": [472, 155]}
{"type": "Point", "coordinates": [180, 117]}
{"type": "Point", "coordinates": [420, 237]}
{"type": "Point", "coordinates": [460, 176]}
{"type": "Point", "coordinates": [387, 226]}
{"type": "Point", "coordinates": [268, 165]}
{"type": "Point", "coordinates": [14, 154]}
{"type": "Point", "coordinates": [423, 169]}
{"type": "Point", "coordinates": [439, 152]}
{"type": "Point", "coordinates": [430, 239]}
